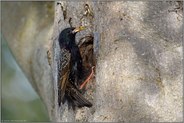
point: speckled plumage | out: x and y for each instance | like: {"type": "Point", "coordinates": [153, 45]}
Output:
{"type": "Point", "coordinates": [70, 71]}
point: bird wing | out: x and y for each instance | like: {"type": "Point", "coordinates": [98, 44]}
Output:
{"type": "Point", "coordinates": [63, 71]}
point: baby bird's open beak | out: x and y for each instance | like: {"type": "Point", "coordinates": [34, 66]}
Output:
{"type": "Point", "coordinates": [78, 29]}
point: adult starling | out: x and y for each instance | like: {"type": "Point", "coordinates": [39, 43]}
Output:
{"type": "Point", "coordinates": [70, 70]}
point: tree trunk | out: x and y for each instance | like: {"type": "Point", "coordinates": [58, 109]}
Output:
{"type": "Point", "coordinates": [138, 49]}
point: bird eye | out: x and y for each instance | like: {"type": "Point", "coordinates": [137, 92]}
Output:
{"type": "Point", "coordinates": [69, 32]}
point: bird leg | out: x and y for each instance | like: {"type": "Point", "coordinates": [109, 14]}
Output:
{"type": "Point", "coordinates": [87, 80]}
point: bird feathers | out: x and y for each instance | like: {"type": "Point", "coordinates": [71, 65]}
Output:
{"type": "Point", "coordinates": [70, 71]}
{"type": "Point", "coordinates": [64, 67]}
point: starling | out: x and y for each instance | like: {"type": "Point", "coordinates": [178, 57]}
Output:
{"type": "Point", "coordinates": [70, 70]}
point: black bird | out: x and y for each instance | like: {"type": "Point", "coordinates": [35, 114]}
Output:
{"type": "Point", "coordinates": [70, 70]}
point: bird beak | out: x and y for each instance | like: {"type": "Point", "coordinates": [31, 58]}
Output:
{"type": "Point", "coordinates": [78, 29]}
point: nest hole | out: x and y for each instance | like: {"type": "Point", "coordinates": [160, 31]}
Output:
{"type": "Point", "coordinates": [86, 47]}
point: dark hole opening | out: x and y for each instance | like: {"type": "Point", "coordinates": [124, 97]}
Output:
{"type": "Point", "coordinates": [86, 47]}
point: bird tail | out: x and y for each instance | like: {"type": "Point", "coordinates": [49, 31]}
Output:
{"type": "Point", "coordinates": [75, 98]}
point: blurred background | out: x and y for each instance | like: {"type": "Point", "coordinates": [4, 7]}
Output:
{"type": "Point", "coordinates": [19, 101]}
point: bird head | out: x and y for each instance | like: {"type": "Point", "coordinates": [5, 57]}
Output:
{"type": "Point", "coordinates": [67, 36]}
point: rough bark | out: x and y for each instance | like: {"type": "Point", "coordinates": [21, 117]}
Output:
{"type": "Point", "coordinates": [139, 61]}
